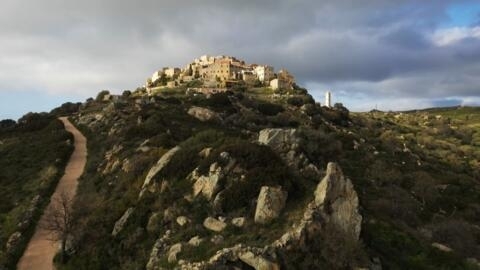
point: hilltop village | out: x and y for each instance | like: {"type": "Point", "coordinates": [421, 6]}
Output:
{"type": "Point", "coordinates": [217, 73]}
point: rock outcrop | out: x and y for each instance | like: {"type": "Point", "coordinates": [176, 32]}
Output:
{"type": "Point", "coordinates": [335, 202]}
{"type": "Point", "coordinates": [280, 140]}
{"type": "Point", "coordinates": [339, 200]}
{"type": "Point", "coordinates": [214, 224]}
{"type": "Point", "coordinates": [159, 248]}
{"type": "Point", "coordinates": [203, 114]}
{"type": "Point", "coordinates": [121, 222]}
{"type": "Point", "coordinates": [442, 247]}
{"type": "Point", "coordinates": [286, 143]}
{"type": "Point", "coordinates": [209, 185]}
{"type": "Point", "coordinates": [270, 203]}
{"type": "Point", "coordinates": [13, 241]}
{"type": "Point", "coordinates": [173, 252]}
{"type": "Point", "coordinates": [258, 262]}
{"type": "Point", "coordinates": [257, 258]}
{"type": "Point", "coordinates": [162, 162]}
{"type": "Point", "coordinates": [112, 163]}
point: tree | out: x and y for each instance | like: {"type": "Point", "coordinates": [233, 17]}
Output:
{"type": "Point", "coordinates": [7, 123]}
{"type": "Point", "coordinates": [59, 222]}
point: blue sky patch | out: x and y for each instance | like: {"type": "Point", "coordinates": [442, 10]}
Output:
{"type": "Point", "coordinates": [463, 14]}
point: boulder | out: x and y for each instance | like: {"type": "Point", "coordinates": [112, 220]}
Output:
{"type": "Point", "coordinates": [238, 222]}
{"type": "Point", "coordinates": [217, 205]}
{"type": "Point", "coordinates": [162, 162]}
{"type": "Point", "coordinates": [339, 200]}
{"type": "Point", "coordinates": [217, 239]}
{"type": "Point", "coordinates": [214, 224]}
{"type": "Point", "coordinates": [208, 185]}
{"type": "Point", "coordinates": [182, 220]}
{"type": "Point", "coordinates": [170, 214]}
{"type": "Point", "coordinates": [270, 203]}
{"type": "Point", "coordinates": [205, 152]}
{"type": "Point", "coordinates": [13, 242]}
{"type": "Point", "coordinates": [121, 222]}
{"type": "Point", "coordinates": [173, 252]}
{"type": "Point", "coordinates": [258, 262]}
{"type": "Point", "coordinates": [279, 139]}
{"type": "Point", "coordinates": [195, 241]}
{"type": "Point", "coordinates": [154, 222]}
{"type": "Point", "coordinates": [286, 143]}
{"type": "Point", "coordinates": [203, 114]}
{"type": "Point", "coordinates": [442, 247]}
{"type": "Point", "coordinates": [127, 166]}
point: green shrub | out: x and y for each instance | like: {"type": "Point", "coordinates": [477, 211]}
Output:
{"type": "Point", "coordinates": [270, 109]}
{"type": "Point", "coordinates": [101, 95]}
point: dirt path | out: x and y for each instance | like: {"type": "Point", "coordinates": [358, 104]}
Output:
{"type": "Point", "coordinates": [40, 250]}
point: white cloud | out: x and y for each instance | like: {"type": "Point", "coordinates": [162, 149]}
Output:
{"type": "Point", "coordinates": [377, 48]}
{"type": "Point", "coordinates": [449, 36]}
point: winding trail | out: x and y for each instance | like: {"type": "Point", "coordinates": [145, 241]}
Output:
{"type": "Point", "coordinates": [41, 250]}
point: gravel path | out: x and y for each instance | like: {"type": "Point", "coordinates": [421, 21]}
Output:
{"type": "Point", "coordinates": [40, 250]}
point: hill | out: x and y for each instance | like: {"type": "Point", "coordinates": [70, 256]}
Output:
{"type": "Point", "coordinates": [200, 171]}
{"type": "Point", "coordinates": [240, 179]}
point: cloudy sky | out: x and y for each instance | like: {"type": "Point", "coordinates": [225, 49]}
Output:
{"type": "Point", "coordinates": [392, 55]}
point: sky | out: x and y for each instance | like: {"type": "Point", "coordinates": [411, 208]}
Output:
{"type": "Point", "coordinates": [389, 55]}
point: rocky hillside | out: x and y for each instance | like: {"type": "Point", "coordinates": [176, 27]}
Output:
{"type": "Point", "coordinates": [255, 179]}
{"type": "Point", "coordinates": [33, 154]}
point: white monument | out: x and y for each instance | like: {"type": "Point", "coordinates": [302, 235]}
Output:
{"type": "Point", "coordinates": [328, 99]}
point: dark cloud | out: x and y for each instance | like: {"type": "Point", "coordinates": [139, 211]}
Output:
{"type": "Point", "coordinates": [377, 47]}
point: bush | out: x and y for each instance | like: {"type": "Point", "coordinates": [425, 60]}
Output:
{"type": "Point", "coordinates": [101, 95]}
{"type": "Point", "coordinates": [216, 101]}
{"type": "Point", "coordinates": [295, 101]}
{"type": "Point", "coordinates": [269, 109]}
{"type": "Point", "coordinates": [66, 109]}
{"type": "Point", "coordinates": [126, 93]}
{"type": "Point", "coordinates": [7, 124]}
{"type": "Point", "coordinates": [458, 235]}
{"type": "Point", "coordinates": [34, 121]}
{"type": "Point", "coordinates": [320, 147]}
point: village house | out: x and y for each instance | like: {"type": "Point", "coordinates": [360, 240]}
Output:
{"type": "Point", "coordinates": [170, 72]}
{"type": "Point", "coordinates": [156, 75]}
{"type": "Point", "coordinates": [223, 69]}
{"type": "Point", "coordinates": [264, 73]}
{"type": "Point", "coordinates": [221, 72]}
{"type": "Point", "coordinates": [249, 77]}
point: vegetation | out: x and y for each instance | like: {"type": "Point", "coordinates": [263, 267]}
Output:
{"type": "Point", "coordinates": [33, 153]}
{"type": "Point", "coordinates": [416, 174]}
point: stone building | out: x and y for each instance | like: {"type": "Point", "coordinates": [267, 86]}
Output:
{"type": "Point", "coordinates": [170, 72]}
{"type": "Point", "coordinates": [264, 73]}
{"type": "Point", "coordinates": [287, 78]}
{"type": "Point", "coordinates": [156, 75]}
{"type": "Point", "coordinates": [279, 84]}
{"type": "Point", "coordinates": [249, 77]}
{"type": "Point", "coordinates": [222, 69]}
